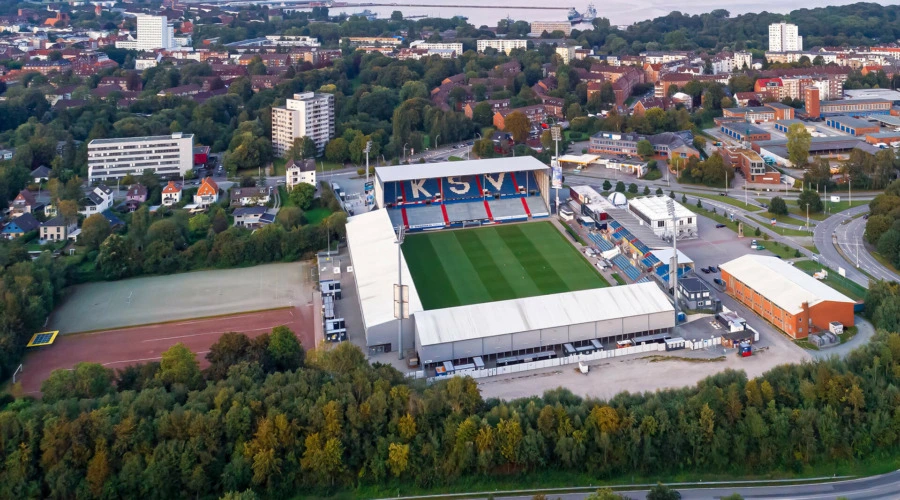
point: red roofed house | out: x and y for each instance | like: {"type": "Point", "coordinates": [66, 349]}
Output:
{"type": "Point", "coordinates": [208, 193]}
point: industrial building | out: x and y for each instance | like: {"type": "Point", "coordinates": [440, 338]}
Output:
{"type": "Point", "coordinates": [744, 132]}
{"type": "Point", "coordinates": [169, 156]}
{"type": "Point", "coordinates": [852, 126]}
{"type": "Point", "coordinates": [856, 107]}
{"type": "Point", "coordinates": [785, 296]}
{"type": "Point", "coordinates": [751, 165]}
{"type": "Point", "coordinates": [308, 114]}
{"type": "Point", "coordinates": [654, 212]}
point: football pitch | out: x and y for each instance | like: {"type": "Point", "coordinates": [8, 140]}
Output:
{"type": "Point", "coordinates": [471, 266]}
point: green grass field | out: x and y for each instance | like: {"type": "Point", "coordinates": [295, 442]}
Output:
{"type": "Point", "coordinates": [471, 266]}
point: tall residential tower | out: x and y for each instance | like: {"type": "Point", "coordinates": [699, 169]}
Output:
{"type": "Point", "coordinates": [783, 37]}
{"type": "Point", "coordinates": [306, 115]}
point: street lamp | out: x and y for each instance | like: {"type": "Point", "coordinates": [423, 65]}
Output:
{"type": "Point", "coordinates": [436, 141]}
{"type": "Point", "coordinates": [807, 216]}
{"type": "Point", "coordinates": [404, 152]}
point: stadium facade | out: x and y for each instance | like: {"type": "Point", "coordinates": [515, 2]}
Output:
{"type": "Point", "coordinates": [497, 333]}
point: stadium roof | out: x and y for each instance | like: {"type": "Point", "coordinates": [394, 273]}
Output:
{"type": "Point", "coordinates": [374, 256]}
{"type": "Point", "coordinates": [458, 168]}
{"type": "Point", "coordinates": [664, 254]}
{"type": "Point", "coordinates": [505, 317]}
{"type": "Point", "coordinates": [783, 284]}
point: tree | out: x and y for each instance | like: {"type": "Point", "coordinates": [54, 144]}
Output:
{"type": "Point", "coordinates": [179, 366]}
{"type": "Point", "coordinates": [117, 258]}
{"type": "Point", "coordinates": [607, 185]}
{"type": "Point", "coordinates": [659, 192]}
{"type": "Point", "coordinates": [683, 198]}
{"type": "Point", "coordinates": [483, 148]}
{"type": "Point", "coordinates": [620, 187]}
{"type": "Point", "coordinates": [337, 150]}
{"type": "Point", "coordinates": [94, 230]}
{"type": "Point", "coordinates": [632, 188]}
{"type": "Point", "coordinates": [663, 492]}
{"type": "Point", "coordinates": [398, 458]}
{"type": "Point", "coordinates": [289, 217]}
{"type": "Point", "coordinates": [303, 148]}
{"type": "Point", "coordinates": [483, 114]}
{"type": "Point", "coordinates": [889, 245]}
{"type": "Point", "coordinates": [285, 350]}
{"type": "Point", "coordinates": [757, 232]}
{"type": "Point", "coordinates": [68, 209]}
{"type": "Point", "coordinates": [876, 226]}
{"type": "Point", "coordinates": [517, 124]}
{"type": "Point", "coordinates": [645, 149]}
{"type": "Point", "coordinates": [302, 195]}
{"type": "Point", "coordinates": [605, 494]}
{"type": "Point", "coordinates": [647, 190]}
{"type": "Point", "coordinates": [778, 206]}
{"type": "Point", "coordinates": [811, 198]}
{"type": "Point", "coordinates": [799, 141]}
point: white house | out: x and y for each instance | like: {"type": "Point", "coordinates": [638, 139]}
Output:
{"type": "Point", "coordinates": [97, 200]}
{"type": "Point", "coordinates": [249, 216]}
{"type": "Point", "coordinates": [300, 172]}
{"type": "Point", "coordinates": [208, 193]}
{"type": "Point", "coordinates": [171, 194]}
{"type": "Point", "coordinates": [249, 196]}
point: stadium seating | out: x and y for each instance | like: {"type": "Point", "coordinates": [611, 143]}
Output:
{"type": "Point", "coordinates": [461, 189]}
{"type": "Point", "coordinates": [601, 243]}
{"type": "Point", "coordinates": [424, 217]}
{"type": "Point", "coordinates": [537, 207]}
{"type": "Point", "coordinates": [625, 266]}
{"type": "Point", "coordinates": [507, 209]}
{"type": "Point", "coordinates": [458, 213]}
{"type": "Point", "coordinates": [526, 180]}
{"type": "Point", "coordinates": [506, 182]}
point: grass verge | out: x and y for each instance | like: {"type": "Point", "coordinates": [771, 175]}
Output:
{"type": "Point", "coordinates": [286, 200]}
{"type": "Point", "coordinates": [657, 358]}
{"type": "Point", "coordinates": [844, 285]}
{"type": "Point", "coordinates": [729, 201]}
{"type": "Point", "coordinates": [618, 278]}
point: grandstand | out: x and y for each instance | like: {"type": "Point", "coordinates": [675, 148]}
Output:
{"type": "Point", "coordinates": [466, 193]}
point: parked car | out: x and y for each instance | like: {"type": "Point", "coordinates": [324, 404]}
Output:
{"type": "Point", "coordinates": [719, 226]}
{"type": "Point", "coordinates": [705, 270]}
{"type": "Point", "coordinates": [719, 281]}
{"type": "Point", "coordinates": [713, 269]}
{"type": "Point", "coordinates": [866, 216]}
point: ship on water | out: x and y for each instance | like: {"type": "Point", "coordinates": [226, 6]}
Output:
{"type": "Point", "coordinates": [590, 14]}
{"type": "Point", "coordinates": [575, 17]}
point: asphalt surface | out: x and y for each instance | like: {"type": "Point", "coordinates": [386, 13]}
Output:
{"type": "Point", "coordinates": [832, 230]}
{"type": "Point", "coordinates": [885, 486]}
{"type": "Point", "coordinates": [850, 239]}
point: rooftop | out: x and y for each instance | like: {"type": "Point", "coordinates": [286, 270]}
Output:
{"type": "Point", "coordinates": [149, 138]}
{"type": "Point", "coordinates": [458, 168]}
{"type": "Point", "coordinates": [783, 284]}
{"type": "Point", "coordinates": [656, 207]}
{"type": "Point", "coordinates": [851, 122]}
{"type": "Point", "coordinates": [546, 311]}
{"type": "Point", "coordinates": [372, 242]}
{"type": "Point", "coordinates": [855, 101]}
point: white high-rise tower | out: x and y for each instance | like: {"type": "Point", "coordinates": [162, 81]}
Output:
{"type": "Point", "coordinates": [783, 37]}
{"type": "Point", "coordinates": [153, 33]}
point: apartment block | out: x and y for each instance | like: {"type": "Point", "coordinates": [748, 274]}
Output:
{"type": "Point", "coordinates": [153, 33]}
{"type": "Point", "coordinates": [539, 27]}
{"type": "Point", "coordinates": [784, 37]}
{"type": "Point", "coordinates": [306, 115]}
{"type": "Point", "coordinates": [501, 45]}
{"type": "Point", "coordinates": [168, 155]}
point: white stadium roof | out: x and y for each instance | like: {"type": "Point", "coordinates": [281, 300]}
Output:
{"type": "Point", "coordinates": [534, 313]}
{"type": "Point", "coordinates": [374, 256]}
{"type": "Point", "coordinates": [783, 284]}
{"type": "Point", "coordinates": [458, 168]}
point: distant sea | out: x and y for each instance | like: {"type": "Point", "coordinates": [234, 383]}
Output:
{"type": "Point", "coordinates": [619, 12]}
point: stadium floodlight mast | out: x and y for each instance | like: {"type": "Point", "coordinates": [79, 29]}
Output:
{"type": "Point", "coordinates": [555, 134]}
{"type": "Point", "coordinates": [670, 206]}
{"type": "Point", "coordinates": [365, 188]}
{"type": "Point", "coordinates": [398, 292]}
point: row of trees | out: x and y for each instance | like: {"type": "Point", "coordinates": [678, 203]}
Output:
{"type": "Point", "coordinates": [883, 225]}
{"type": "Point", "coordinates": [262, 418]}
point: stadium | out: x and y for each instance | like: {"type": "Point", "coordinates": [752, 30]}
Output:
{"type": "Point", "coordinates": [489, 283]}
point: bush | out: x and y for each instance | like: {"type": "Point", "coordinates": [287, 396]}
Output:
{"type": "Point", "coordinates": [607, 185]}
{"type": "Point", "coordinates": [632, 188]}
{"type": "Point", "coordinates": [797, 253]}
{"type": "Point", "coordinates": [620, 187]}
{"type": "Point", "coordinates": [757, 232]}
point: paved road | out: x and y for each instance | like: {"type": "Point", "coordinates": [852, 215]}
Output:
{"type": "Point", "coordinates": [825, 233]}
{"type": "Point", "coordinates": [884, 486]}
{"type": "Point", "coordinates": [850, 239]}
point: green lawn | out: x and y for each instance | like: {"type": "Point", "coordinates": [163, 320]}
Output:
{"type": "Point", "coordinates": [833, 208]}
{"type": "Point", "coordinates": [729, 201]}
{"type": "Point", "coordinates": [618, 279]}
{"type": "Point", "coordinates": [471, 266]}
{"type": "Point", "coordinates": [285, 199]}
{"type": "Point", "coordinates": [316, 215]}
{"type": "Point", "coordinates": [846, 286]}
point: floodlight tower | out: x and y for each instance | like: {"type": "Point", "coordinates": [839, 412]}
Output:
{"type": "Point", "coordinates": [399, 295]}
{"type": "Point", "coordinates": [670, 205]}
{"type": "Point", "coordinates": [365, 188]}
{"type": "Point", "coordinates": [556, 134]}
